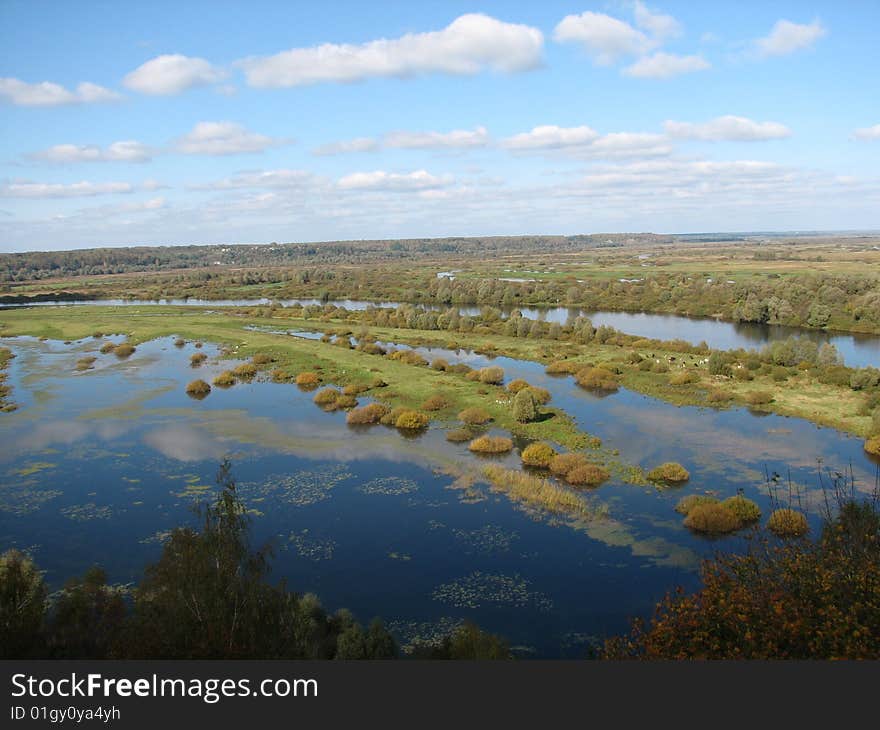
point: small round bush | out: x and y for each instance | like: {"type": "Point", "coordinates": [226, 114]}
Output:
{"type": "Point", "coordinates": [412, 421]}
{"type": "Point", "coordinates": [366, 415]}
{"type": "Point", "coordinates": [225, 379]}
{"type": "Point", "coordinates": [307, 380]}
{"type": "Point", "coordinates": [491, 445]}
{"type": "Point", "coordinates": [355, 388]}
{"type": "Point", "coordinates": [515, 386]}
{"type": "Point", "coordinates": [326, 396]}
{"type": "Point", "coordinates": [458, 435]}
{"type": "Point", "coordinates": [541, 395]}
{"type": "Point", "coordinates": [245, 371]}
{"type": "Point", "coordinates": [684, 377]}
{"type": "Point", "coordinates": [563, 367]}
{"type": "Point", "coordinates": [107, 347]}
{"type": "Point", "coordinates": [746, 510]}
{"type": "Point", "coordinates": [712, 519]}
{"type": "Point", "coordinates": [390, 418]}
{"type": "Point", "coordinates": [671, 473]}
{"type": "Point", "coordinates": [435, 403]}
{"type": "Point", "coordinates": [872, 445]}
{"type": "Point", "coordinates": [686, 504]}
{"type": "Point", "coordinates": [538, 454]}
{"type": "Point", "coordinates": [85, 363]}
{"type": "Point", "coordinates": [197, 358]}
{"type": "Point", "coordinates": [345, 402]}
{"type": "Point", "coordinates": [440, 364]}
{"type": "Point", "coordinates": [179, 342]}
{"type": "Point", "coordinates": [262, 358]}
{"type": "Point", "coordinates": [280, 376]}
{"type": "Point", "coordinates": [198, 389]}
{"type": "Point", "coordinates": [474, 416]}
{"type": "Point", "coordinates": [596, 379]}
{"type": "Point", "coordinates": [562, 464]}
{"type": "Point", "coordinates": [492, 375]}
{"type": "Point", "coordinates": [788, 523]}
{"type": "Point", "coordinates": [123, 350]}
{"type": "Point", "coordinates": [759, 398]}
{"type": "Point", "coordinates": [589, 475]}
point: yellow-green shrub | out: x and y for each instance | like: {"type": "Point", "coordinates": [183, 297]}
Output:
{"type": "Point", "coordinates": [788, 523]}
{"type": "Point", "coordinates": [538, 454]}
{"type": "Point", "coordinates": [491, 445]}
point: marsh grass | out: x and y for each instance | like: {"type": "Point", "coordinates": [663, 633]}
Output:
{"type": "Point", "coordinates": [245, 371]}
{"type": "Point", "coordinates": [787, 522]}
{"type": "Point", "coordinates": [686, 504]}
{"type": "Point", "coordinates": [474, 416]}
{"type": "Point", "coordinates": [197, 358]}
{"type": "Point", "coordinates": [459, 435]}
{"type": "Point", "coordinates": [712, 518]}
{"type": "Point", "coordinates": [198, 389]}
{"type": "Point", "coordinates": [537, 492]}
{"type": "Point", "coordinates": [225, 379]}
{"type": "Point", "coordinates": [670, 472]}
{"type": "Point", "coordinates": [367, 415]}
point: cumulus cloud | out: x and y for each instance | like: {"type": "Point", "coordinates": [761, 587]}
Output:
{"type": "Point", "coordinates": [663, 65]}
{"type": "Point", "coordinates": [727, 128]}
{"type": "Point", "coordinates": [660, 26]}
{"type": "Point", "coordinates": [606, 39]}
{"type": "Point", "coordinates": [84, 188]}
{"type": "Point", "coordinates": [171, 74]}
{"type": "Point", "coordinates": [868, 133]}
{"type": "Point", "coordinates": [223, 138]}
{"type": "Point", "coordinates": [359, 144]}
{"type": "Point", "coordinates": [468, 45]}
{"type": "Point", "coordinates": [46, 93]}
{"type": "Point", "coordinates": [124, 151]}
{"type": "Point", "coordinates": [549, 136]}
{"type": "Point", "coordinates": [456, 139]}
{"type": "Point", "coordinates": [585, 143]}
{"type": "Point", "coordinates": [786, 37]}
{"type": "Point", "coordinates": [261, 179]}
{"type": "Point", "coordinates": [382, 180]}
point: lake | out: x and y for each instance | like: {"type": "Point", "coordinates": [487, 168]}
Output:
{"type": "Point", "coordinates": [97, 466]}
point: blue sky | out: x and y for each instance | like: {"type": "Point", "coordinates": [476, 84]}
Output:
{"type": "Point", "coordinates": [204, 122]}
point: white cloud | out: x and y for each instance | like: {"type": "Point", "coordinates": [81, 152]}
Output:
{"type": "Point", "coordinates": [47, 93]}
{"type": "Point", "coordinates": [269, 179]}
{"type": "Point", "coordinates": [468, 45]}
{"type": "Point", "coordinates": [124, 151]}
{"type": "Point", "coordinates": [549, 136]}
{"type": "Point", "coordinates": [605, 38]}
{"type": "Point", "coordinates": [786, 37]}
{"type": "Point", "coordinates": [629, 144]}
{"type": "Point", "coordinates": [868, 133]}
{"type": "Point", "coordinates": [359, 144]}
{"type": "Point", "coordinates": [27, 189]}
{"type": "Point", "coordinates": [662, 27]}
{"type": "Point", "coordinates": [171, 74]}
{"type": "Point", "coordinates": [382, 180]}
{"type": "Point", "coordinates": [456, 139]}
{"type": "Point", "coordinates": [727, 128]}
{"type": "Point", "coordinates": [663, 65]}
{"type": "Point", "coordinates": [224, 138]}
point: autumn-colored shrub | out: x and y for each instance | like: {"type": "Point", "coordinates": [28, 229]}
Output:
{"type": "Point", "coordinates": [712, 519]}
{"type": "Point", "coordinates": [686, 504]}
{"type": "Point", "coordinates": [436, 402]}
{"type": "Point", "coordinates": [262, 358]}
{"type": "Point", "coordinates": [787, 522]}
{"type": "Point", "coordinates": [179, 342]}
{"type": "Point", "coordinates": [368, 414]}
{"type": "Point", "coordinates": [589, 475]}
{"type": "Point", "coordinates": [439, 364]}
{"type": "Point", "coordinates": [684, 377]}
{"type": "Point", "coordinates": [759, 397]}
{"type": "Point", "coordinates": [596, 379]}
{"type": "Point", "coordinates": [390, 418]}
{"type": "Point", "coordinates": [345, 402]}
{"type": "Point", "coordinates": [872, 445]}
{"type": "Point", "coordinates": [542, 395]}
{"type": "Point", "coordinates": [538, 454]}
{"type": "Point", "coordinates": [198, 389]}
{"type": "Point", "coordinates": [410, 357]}
{"type": "Point", "coordinates": [280, 376]}
{"type": "Point", "coordinates": [474, 416]}
{"type": "Point", "coordinates": [197, 358]}
{"type": "Point", "coordinates": [746, 510]}
{"type": "Point", "coordinates": [85, 363]}
{"type": "Point", "coordinates": [326, 396]}
{"type": "Point", "coordinates": [124, 350]}
{"type": "Point", "coordinates": [245, 371]}
{"type": "Point", "coordinates": [670, 473]}
{"type": "Point", "coordinates": [491, 445]}
{"type": "Point", "coordinates": [107, 347]}
{"type": "Point", "coordinates": [225, 379]}
{"type": "Point", "coordinates": [563, 367]}
{"type": "Point", "coordinates": [515, 386]}
{"type": "Point", "coordinates": [307, 380]}
{"type": "Point", "coordinates": [355, 389]}
{"type": "Point", "coordinates": [492, 375]}
{"type": "Point", "coordinates": [562, 464]}
{"type": "Point", "coordinates": [412, 421]}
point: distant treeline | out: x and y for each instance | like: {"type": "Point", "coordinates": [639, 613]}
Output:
{"type": "Point", "coordinates": [98, 261]}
